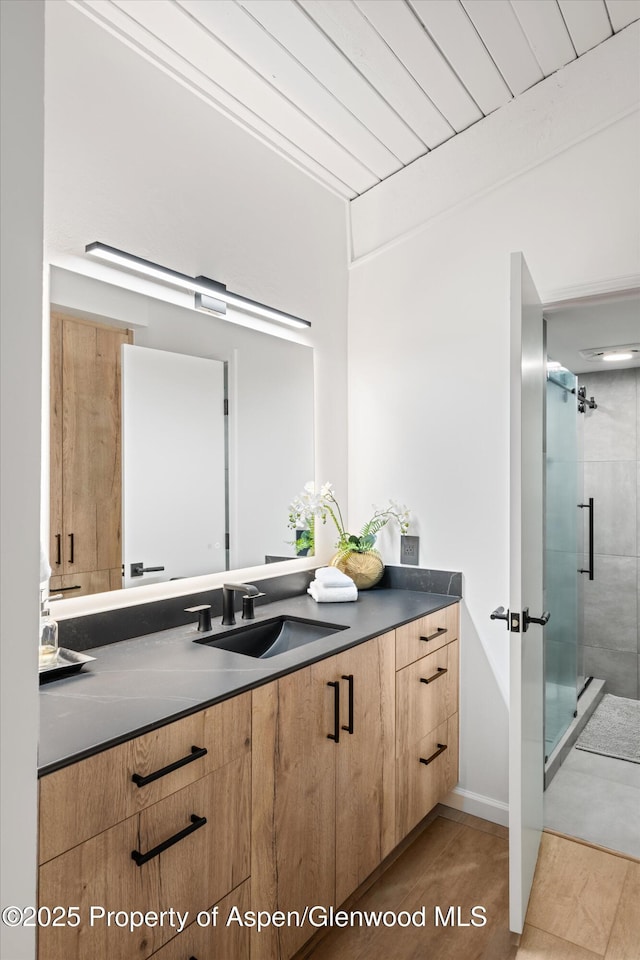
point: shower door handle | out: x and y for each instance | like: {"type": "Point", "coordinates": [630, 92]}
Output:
{"type": "Point", "coordinates": [589, 507]}
{"type": "Point", "coordinates": [526, 619]}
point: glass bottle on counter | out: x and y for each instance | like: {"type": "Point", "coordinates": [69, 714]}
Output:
{"type": "Point", "coordinates": [48, 647]}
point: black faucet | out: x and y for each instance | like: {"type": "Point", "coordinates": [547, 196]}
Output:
{"type": "Point", "coordinates": [250, 594]}
{"type": "Point", "coordinates": [204, 616]}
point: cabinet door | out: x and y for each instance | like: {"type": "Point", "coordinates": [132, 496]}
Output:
{"type": "Point", "coordinates": [94, 794]}
{"type": "Point", "coordinates": [86, 503]}
{"type": "Point", "coordinates": [293, 788]}
{"type": "Point", "coordinates": [426, 694]}
{"type": "Point", "coordinates": [365, 762]}
{"type": "Point", "coordinates": [426, 772]}
{"type": "Point", "coordinates": [421, 637]}
{"type": "Point", "coordinates": [209, 858]}
{"type": "Point", "coordinates": [217, 941]}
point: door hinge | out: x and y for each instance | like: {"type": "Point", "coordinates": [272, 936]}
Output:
{"type": "Point", "coordinates": [226, 407]}
{"type": "Point", "coordinates": [514, 622]}
{"type": "Point", "coordinates": [226, 541]}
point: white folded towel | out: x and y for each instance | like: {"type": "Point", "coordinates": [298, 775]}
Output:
{"type": "Point", "coordinates": [332, 577]}
{"type": "Point", "coordinates": [322, 593]}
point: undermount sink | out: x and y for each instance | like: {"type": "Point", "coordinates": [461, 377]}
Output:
{"type": "Point", "coordinates": [270, 638]}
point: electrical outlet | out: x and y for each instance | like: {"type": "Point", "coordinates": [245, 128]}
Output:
{"type": "Point", "coordinates": [409, 550]}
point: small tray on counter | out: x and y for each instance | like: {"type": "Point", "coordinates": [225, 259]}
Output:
{"type": "Point", "coordinates": [68, 662]}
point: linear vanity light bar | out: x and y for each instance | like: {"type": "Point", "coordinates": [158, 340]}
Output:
{"type": "Point", "coordinates": [211, 296]}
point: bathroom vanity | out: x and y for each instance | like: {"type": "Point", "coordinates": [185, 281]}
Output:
{"type": "Point", "coordinates": [183, 785]}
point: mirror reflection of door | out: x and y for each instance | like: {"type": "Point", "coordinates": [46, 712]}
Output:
{"type": "Point", "coordinates": [174, 462]}
{"type": "Point", "coordinates": [85, 456]}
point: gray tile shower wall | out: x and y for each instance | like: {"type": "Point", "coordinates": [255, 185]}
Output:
{"type": "Point", "coordinates": [611, 447]}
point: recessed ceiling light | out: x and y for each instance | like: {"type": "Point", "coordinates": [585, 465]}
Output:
{"type": "Point", "coordinates": [612, 357]}
{"type": "Point", "coordinates": [615, 351]}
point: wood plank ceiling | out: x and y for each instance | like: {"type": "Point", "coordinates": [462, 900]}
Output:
{"type": "Point", "coordinates": [354, 90]}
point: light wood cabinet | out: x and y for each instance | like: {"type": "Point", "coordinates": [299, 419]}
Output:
{"type": "Point", "coordinates": [216, 941]}
{"type": "Point", "coordinates": [306, 784]}
{"type": "Point", "coordinates": [85, 454]}
{"type": "Point", "coordinates": [365, 776]}
{"type": "Point", "coordinates": [416, 639]}
{"type": "Point", "coordinates": [425, 774]}
{"type": "Point", "coordinates": [427, 682]}
{"type": "Point", "coordinates": [323, 785]}
{"type": "Point", "coordinates": [92, 795]}
{"type": "Point", "coordinates": [178, 838]}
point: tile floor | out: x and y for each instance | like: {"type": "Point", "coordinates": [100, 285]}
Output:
{"type": "Point", "coordinates": [583, 906]}
{"type": "Point", "coordinates": [596, 799]}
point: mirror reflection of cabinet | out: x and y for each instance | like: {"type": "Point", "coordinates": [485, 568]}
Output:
{"type": "Point", "coordinates": [85, 455]}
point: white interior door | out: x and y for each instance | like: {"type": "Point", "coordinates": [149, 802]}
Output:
{"type": "Point", "coordinates": [173, 464]}
{"type": "Point", "coordinates": [526, 735]}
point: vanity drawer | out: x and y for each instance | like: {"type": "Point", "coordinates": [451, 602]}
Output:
{"type": "Point", "coordinates": [209, 822]}
{"type": "Point", "coordinates": [217, 942]}
{"type": "Point", "coordinates": [419, 784]}
{"type": "Point", "coordinates": [87, 797]}
{"type": "Point", "coordinates": [426, 695]}
{"type": "Point", "coordinates": [421, 637]}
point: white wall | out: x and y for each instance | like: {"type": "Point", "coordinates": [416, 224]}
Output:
{"type": "Point", "coordinates": [428, 335]}
{"type": "Point", "coordinates": [137, 161]}
{"type": "Point", "coordinates": [21, 310]}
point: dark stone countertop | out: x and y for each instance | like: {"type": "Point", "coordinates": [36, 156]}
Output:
{"type": "Point", "coordinates": [137, 685]}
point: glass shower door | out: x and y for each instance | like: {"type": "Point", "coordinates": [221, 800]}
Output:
{"type": "Point", "coordinates": [561, 556]}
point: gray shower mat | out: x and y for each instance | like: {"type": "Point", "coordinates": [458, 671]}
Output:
{"type": "Point", "coordinates": [614, 729]}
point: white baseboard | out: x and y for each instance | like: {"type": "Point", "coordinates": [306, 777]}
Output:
{"type": "Point", "coordinates": [474, 803]}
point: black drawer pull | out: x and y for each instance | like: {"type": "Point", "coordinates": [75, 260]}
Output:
{"type": "Point", "coordinates": [349, 726]}
{"type": "Point", "coordinates": [438, 633]}
{"type": "Point", "coordinates": [196, 753]}
{"type": "Point", "coordinates": [196, 823]}
{"type": "Point", "coordinates": [336, 711]}
{"type": "Point", "coordinates": [441, 749]}
{"type": "Point", "coordinates": [441, 672]}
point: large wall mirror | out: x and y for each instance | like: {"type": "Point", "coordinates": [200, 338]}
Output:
{"type": "Point", "coordinates": [209, 439]}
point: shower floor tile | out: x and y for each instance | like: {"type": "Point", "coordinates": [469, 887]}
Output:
{"type": "Point", "coordinates": [596, 799]}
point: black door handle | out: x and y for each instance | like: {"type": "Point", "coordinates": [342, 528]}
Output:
{"type": "Point", "coordinates": [526, 619]}
{"type": "Point", "coordinates": [349, 726]}
{"type": "Point", "coordinates": [336, 711]}
{"type": "Point", "coordinates": [137, 569]}
{"type": "Point", "coordinates": [196, 754]}
{"type": "Point", "coordinates": [441, 748]}
{"type": "Point", "coordinates": [142, 858]}
{"type": "Point", "coordinates": [589, 507]}
{"type": "Point", "coordinates": [499, 614]}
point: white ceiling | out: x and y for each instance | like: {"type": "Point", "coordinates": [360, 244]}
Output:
{"type": "Point", "coordinates": [354, 90]}
{"type": "Point", "coordinates": [608, 322]}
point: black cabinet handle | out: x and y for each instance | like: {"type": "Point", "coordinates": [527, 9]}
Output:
{"type": "Point", "coordinates": [349, 726]}
{"type": "Point", "coordinates": [71, 547]}
{"type": "Point", "coordinates": [58, 549]}
{"type": "Point", "coordinates": [77, 586]}
{"type": "Point", "coordinates": [441, 749]}
{"type": "Point", "coordinates": [140, 858]}
{"type": "Point", "coordinates": [196, 753]}
{"type": "Point", "coordinates": [336, 711]}
{"type": "Point", "coordinates": [438, 633]}
{"type": "Point", "coordinates": [441, 672]}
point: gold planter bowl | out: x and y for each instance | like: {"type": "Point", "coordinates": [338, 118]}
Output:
{"type": "Point", "coordinates": [365, 569]}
